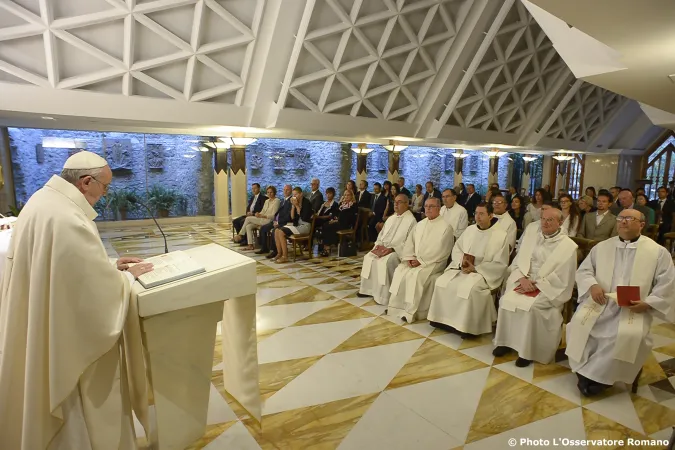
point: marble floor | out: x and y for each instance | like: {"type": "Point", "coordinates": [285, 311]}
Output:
{"type": "Point", "coordinates": [335, 373]}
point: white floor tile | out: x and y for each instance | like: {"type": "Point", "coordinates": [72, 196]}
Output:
{"type": "Point", "coordinates": [330, 288]}
{"type": "Point", "coordinates": [218, 366]}
{"type": "Point", "coordinates": [313, 281]}
{"type": "Point", "coordinates": [236, 437]}
{"type": "Point", "coordinates": [660, 357]}
{"type": "Point", "coordinates": [357, 301]}
{"type": "Point", "coordinates": [646, 392]}
{"type": "Point", "coordinates": [524, 373]}
{"type": "Point", "coordinates": [564, 386]}
{"type": "Point", "coordinates": [664, 434]}
{"type": "Point", "coordinates": [219, 411]}
{"type": "Point", "coordinates": [394, 319]}
{"type": "Point", "coordinates": [343, 375]}
{"type": "Point", "coordinates": [376, 309]}
{"type": "Point", "coordinates": [620, 409]}
{"type": "Point", "coordinates": [567, 425]}
{"type": "Point", "coordinates": [448, 403]}
{"type": "Point", "coordinates": [282, 316]}
{"type": "Point", "coordinates": [267, 295]}
{"type": "Point", "coordinates": [421, 328]}
{"type": "Point", "coordinates": [267, 277]}
{"type": "Point", "coordinates": [450, 339]}
{"type": "Point", "coordinates": [307, 340]}
{"type": "Point", "coordinates": [482, 353]}
{"type": "Point", "coordinates": [389, 425]}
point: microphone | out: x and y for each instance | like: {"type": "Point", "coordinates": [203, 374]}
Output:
{"type": "Point", "coordinates": [134, 201]}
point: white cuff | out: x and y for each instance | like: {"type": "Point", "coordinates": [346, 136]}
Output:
{"type": "Point", "coordinates": [130, 277]}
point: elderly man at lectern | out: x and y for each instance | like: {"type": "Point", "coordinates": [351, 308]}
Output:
{"type": "Point", "coordinates": [63, 380]}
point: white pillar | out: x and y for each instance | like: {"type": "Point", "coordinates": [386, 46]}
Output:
{"type": "Point", "coordinates": [493, 176]}
{"type": "Point", "coordinates": [546, 171]}
{"type": "Point", "coordinates": [361, 172]}
{"type": "Point", "coordinates": [238, 180]}
{"type": "Point", "coordinates": [392, 173]}
{"type": "Point", "coordinates": [525, 179]}
{"type": "Point", "coordinates": [221, 190]}
{"type": "Point", "coordinates": [459, 167]}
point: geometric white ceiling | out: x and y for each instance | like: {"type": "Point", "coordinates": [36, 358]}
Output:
{"type": "Point", "coordinates": [194, 50]}
{"type": "Point", "coordinates": [371, 58]}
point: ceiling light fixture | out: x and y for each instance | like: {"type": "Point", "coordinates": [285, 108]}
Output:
{"type": "Point", "coordinates": [529, 158]}
{"type": "Point", "coordinates": [395, 147]}
{"type": "Point", "coordinates": [238, 141]}
{"type": "Point", "coordinates": [56, 142]}
{"type": "Point", "coordinates": [495, 153]}
{"type": "Point", "coordinates": [361, 148]}
{"type": "Point", "coordinates": [563, 157]}
{"type": "Point", "coordinates": [459, 154]}
{"type": "Point", "coordinates": [47, 118]}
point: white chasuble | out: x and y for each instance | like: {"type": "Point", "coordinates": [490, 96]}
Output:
{"type": "Point", "coordinates": [376, 273]}
{"type": "Point", "coordinates": [507, 224]}
{"type": "Point", "coordinates": [532, 326]}
{"type": "Point", "coordinates": [430, 243]}
{"type": "Point", "coordinates": [457, 217]}
{"type": "Point", "coordinates": [609, 343]}
{"type": "Point", "coordinates": [62, 380]}
{"type": "Point", "coordinates": [464, 301]}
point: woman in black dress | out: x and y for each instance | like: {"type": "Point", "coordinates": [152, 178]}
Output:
{"type": "Point", "coordinates": [517, 212]}
{"type": "Point", "coordinates": [343, 220]}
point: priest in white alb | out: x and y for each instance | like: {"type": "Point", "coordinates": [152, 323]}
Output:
{"type": "Point", "coordinates": [381, 262]}
{"type": "Point", "coordinates": [454, 213]}
{"type": "Point", "coordinates": [506, 222]}
{"type": "Point", "coordinates": [462, 300]}
{"type": "Point", "coordinates": [63, 307]}
{"type": "Point", "coordinates": [541, 280]}
{"type": "Point", "coordinates": [425, 255]}
{"type": "Point", "coordinates": [606, 342]}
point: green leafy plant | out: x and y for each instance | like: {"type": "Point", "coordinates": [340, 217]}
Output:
{"type": "Point", "coordinates": [16, 210]}
{"type": "Point", "coordinates": [162, 199]}
{"type": "Point", "coordinates": [119, 199]}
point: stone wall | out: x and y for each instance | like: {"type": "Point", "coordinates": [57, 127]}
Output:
{"type": "Point", "coordinates": [138, 161]}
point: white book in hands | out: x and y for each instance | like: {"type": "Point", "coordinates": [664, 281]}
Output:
{"type": "Point", "coordinates": [169, 267]}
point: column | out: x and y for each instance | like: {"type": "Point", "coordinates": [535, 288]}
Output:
{"type": "Point", "coordinates": [238, 180]}
{"type": "Point", "coordinates": [345, 168]}
{"type": "Point", "coordinates": [493, 169]}
{"type": "Point", "coordinates": [525, 178]}
{"type": "Point", "coordinates": [459, 167]}
{"type": "Point", "coordinates": [546, 171]}
{"type": "Point", "coordinates": [220, 185]}
{"type": "Point", "coordinates": [561, 178]}
{"type": "Point", "coordinates": [7, 197]}
{"type": "Point", "coordinates": [361, 173]}
{"type": "Point", "coordinates": [392, 173]}
{"type": "Point", "coordinates": [509, 175]}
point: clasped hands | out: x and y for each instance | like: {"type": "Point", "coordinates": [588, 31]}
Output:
{"type": "Point", "coordinates": [381, 251]}
{"type": "Point", "coordinates": [137, 270]}
{"type": "Point", "coordinates": [468, 268]}
{"type": "Point", "coordinates": [525, 285]}
{"type": "Point", "coordinates": [599, 297]}
{"type": "Point", "coordinates": [414, 263]}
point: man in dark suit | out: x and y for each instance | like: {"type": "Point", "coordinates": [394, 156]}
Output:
{"type": "Point", "coordinates": [431, 192]}
{"type": "Point", "coordinates": [627, 201]}
{"type": "Point", "coordinates": [665, 208]}
{"type": "Point", "coordinates": [378, 207]}
{"type": "Point", "coordinates": [282, 218]}
{"type": "Point", "coordinates": [255, 205]}
{"type": "Point", "coordinates": [401, 187]}
{"type": "Point", "coordinates": [315, 197]}
{"type": "Point", "coordinates": [615, 196]}
{"type": "Point", "coordinates": [472, 199]}
{"type": "Point", "coordinates": [363, 197]}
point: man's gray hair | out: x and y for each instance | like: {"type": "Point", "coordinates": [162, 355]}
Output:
{"type": "Point", "coordinates": [317, 180]}
{"type": "Point", "coordinates": [72, 176]}
{"type": "Point", "coordinates": [438, 200]}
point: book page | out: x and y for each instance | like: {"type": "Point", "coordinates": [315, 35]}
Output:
{"type": "Point", "coordinates": [169, 267]}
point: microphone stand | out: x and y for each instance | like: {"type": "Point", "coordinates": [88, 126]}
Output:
{"type": "Point", "coordinates": [152, 216]}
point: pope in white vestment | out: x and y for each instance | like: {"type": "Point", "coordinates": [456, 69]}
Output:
{"type": "Point", "coordinates": [63, 305]}
{"type": "Point", "coordinates": [424, 257]}
{"type": "Point", "coordinates": [462, 298]}
{"type": "Point", "coordinates": [541, 280]}
{"type": "Point", "coordinates": [606, 342]}
{"type": "Point", "coordinates": [454, 213]}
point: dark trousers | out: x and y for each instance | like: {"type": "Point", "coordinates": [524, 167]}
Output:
{"type": "Point", "coordinates": [372, 231]}
{"type": "Point", "coordinates": [264, 231]}
{"type": "Point", "coordinates": [238, 223]}
{"type": "Point", "coordinates": [663, 229]}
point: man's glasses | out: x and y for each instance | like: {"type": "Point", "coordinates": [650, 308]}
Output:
{"type": "Point", "coordinates": [628, 219]}
{"type": "Point", "coordinates": [103, 185]}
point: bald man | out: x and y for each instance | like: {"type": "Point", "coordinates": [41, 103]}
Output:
{"type": "Point", "coordinates": [608, 339]}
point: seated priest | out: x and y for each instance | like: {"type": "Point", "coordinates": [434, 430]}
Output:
{"type": "Point", "coordinates": [454, 213]}
{"type": "Point", "coordinates": [506, 222]}
{"type": "Point", "coordinates": [534, 227]}
{"type": "Point", "coordinates": [255, 205]}
{"type": "Point", "coordinates": [541, 281]}
{"type": "Point", "coordinates": [623, 284]}
{"type": "Point", "coordinates": [379, 265]}
{"type": "Point", "coordinates": [424, 258]}
{"type": "Point", "coordinates": [462, 300]}
{"type": "Point", "coordinates": [261, 218]}
{"type": "Point", "coordinates": [300, 223]}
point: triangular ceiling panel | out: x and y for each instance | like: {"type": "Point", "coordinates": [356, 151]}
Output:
{"type": "Point", "coordinates": [370, 7]}
{"type": "Point", "coordinates": [354, 50]}
{"type": "Point", "coordinates": [74, 61]}
{"type": "Point", "coordinates": [30, 5]}
{"type": "Point", "coordinates": [206, 78]}
{"type": "Point", "coordinates": [172, 75]}
{"type": "Point", "coordinates": [323, 16]}
{"type": "Point", "coordinates": [232, 59]}
{"type": "Point", "coordinates": [7, 19]}
{"type": "Point", "coordinates": [6, 77]}
{"type": "Point", "coordinates": [216, 29]}
{"type": "Point", "coordinates": [174, 20]}
{"type": "Point", "coordinates": [312, 90]}
{"type": "Point", "coordinates": [113, 86]}
{"type": "Point", "coordinates": [149, 45]}
{"type": "Point", "coordinates": [326, 45]}
{"type": "Point", "coordinates": [356, 76]}
{"type": "Point", "coordinates": [397, 38]}
{"type": "Point", "coordinates": [145, 90]}
{"type": "Point", "coordinates": [224, 98]}
{"type": "Point", "coordinates": [106, 36]}
{"type": "Point", "coordinates": [26, 53]}
{"type": "Point", "coordinates": [71, 8]}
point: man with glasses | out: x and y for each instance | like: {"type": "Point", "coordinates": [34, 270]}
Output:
{"type": "Point", "coordinates": [541, 281]}
{"type": "Point", "coordinates": [423, 259]}
{"type": "Point", "coordinates": [506, 222]}
{"type": "Point", "coordinates": [63, 309]}
{"type": "Point", "coordinates": [608, 339]}
{"type": "Point", "coordinates": [379, 264]}
{"type": "Point", "coordinates": [454, 213]}
{"type": "Point", "coordinates": [462, 300]}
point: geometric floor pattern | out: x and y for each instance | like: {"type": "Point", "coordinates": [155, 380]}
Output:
{"type": "Point", "coordinates": [335, 373]}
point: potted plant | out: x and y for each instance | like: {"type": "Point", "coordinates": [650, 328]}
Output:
{"type": "Point", "coordinates": [162, 199]}
{"type": "Point", "coordinates": [119, 201]}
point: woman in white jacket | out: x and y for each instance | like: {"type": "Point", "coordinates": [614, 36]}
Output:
{"type": "Point", "coordinates": [270, 209]}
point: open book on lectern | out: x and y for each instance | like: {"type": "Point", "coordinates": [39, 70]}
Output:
{"type": "Point", "coordinates": [169, 267]}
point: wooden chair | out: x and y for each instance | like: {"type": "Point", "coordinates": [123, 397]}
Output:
{"type": "Point", "coordinates": [362, 216]}
{"type": "Point", "coordinates": [351, 233]}
{"type": "Point", "coordinates": [297, 239]}
{"type": "Point", "coordinates": [669, 240]}
{"type": "Point", "coordinates": [652, 231]}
